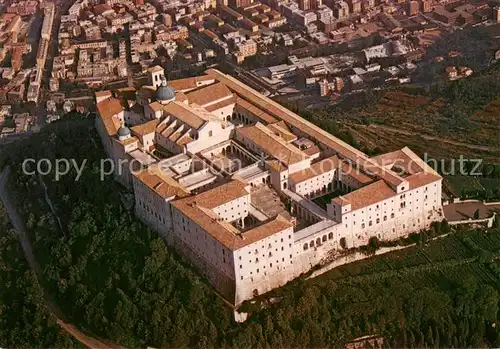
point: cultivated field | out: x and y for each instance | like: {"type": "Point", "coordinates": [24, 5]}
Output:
{"type": "Point", "coordinates": [441, 264]}
{"type": "Point", "coordinates": [428, 126]}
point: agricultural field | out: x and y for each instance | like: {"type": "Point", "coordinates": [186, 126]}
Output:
{"type": "Point", "coordinates": [394, 101]}
{"type": "Point", "coordinates": [392, 138]}
{"type": "Point", "coordinates": [421, 115]}
{"type": "Point", "coordinates": [472, 187]}
{"type": "Point", "coordinates": [455, 247]}
{"type": "Point", "coordinates": [490, 116]}
{"type": "Point", "coordinates": [444, 120]}
{"type": "Point", "coordinates": [440, 263]}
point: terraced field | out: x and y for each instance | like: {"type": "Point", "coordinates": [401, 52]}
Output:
{"type": "Point", "coordinates": [429, 126]}
{"type": "Point", "coordinates": [459, 185]}
{"type": "Point", "coordinates": [439, 263]}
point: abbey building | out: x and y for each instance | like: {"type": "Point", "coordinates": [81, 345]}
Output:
{"type": "Point", "coordinates": [252, 194]}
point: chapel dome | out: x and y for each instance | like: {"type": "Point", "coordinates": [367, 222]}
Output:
{"type": "Point", "coordinates": [165, 93]}
{"type": "Point", "coordinates": [123, 132]}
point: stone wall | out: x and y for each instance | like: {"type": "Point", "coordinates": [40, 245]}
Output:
{"type": "Point", "coordinates": [223, 284]}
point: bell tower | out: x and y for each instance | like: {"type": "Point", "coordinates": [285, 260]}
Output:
{"type": "Point", "coordinates": [156, 75]}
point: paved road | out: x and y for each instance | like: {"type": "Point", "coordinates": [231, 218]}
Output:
{"type": "Point", "coordinates": [465, 210]}
{"type": "Point", "coordinates": [20, 227]}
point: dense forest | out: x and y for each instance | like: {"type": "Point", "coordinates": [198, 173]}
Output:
{"type": "Point", "coordinates": [116, 279]}
{"type": "Point", "coordinates": [25, 321]}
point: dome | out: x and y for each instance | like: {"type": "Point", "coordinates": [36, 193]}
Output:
{"type": "Point", "coordinates": [123, 132]}
{"type": "Point", "coordinates": [165, 93]}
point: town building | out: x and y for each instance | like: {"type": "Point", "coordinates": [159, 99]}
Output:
{"type": "Point", "coordinates": [413, 8]}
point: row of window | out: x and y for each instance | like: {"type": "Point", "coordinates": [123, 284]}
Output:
{"type": "Point", "coordinates": [152, 212]}
{"type": "Point", "coordinates": [265, 273]}
{"type": "Point", "coordinates": [270, 264]}
{"type": "Point", "coordinates": [197, 235]}
{"type": "Point", "coordinates": [377, 221]}
{"type": "Point", "coordinates": [319, 241]}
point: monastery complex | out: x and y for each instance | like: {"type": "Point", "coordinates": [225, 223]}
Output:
{"type": "Point", "coordinates": [252, 194]}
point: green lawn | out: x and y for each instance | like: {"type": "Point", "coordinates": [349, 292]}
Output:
{"type": "Point", "coordinates": [322, 201]}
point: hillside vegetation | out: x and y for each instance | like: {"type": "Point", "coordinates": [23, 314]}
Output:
{"type": "Point", "coordinates": [25, 321]}
{"type": "Point", "coordinates": [116, 279]}
{"type": "Point", "coordinates": [441, 121]}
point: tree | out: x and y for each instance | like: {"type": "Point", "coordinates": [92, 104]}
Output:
{"type": "Point", "coordinates": [373, 244]}
{"type": "Point", "coordinates": [476, 214]}
{"type": "Point", "coordinates": [496, 222]}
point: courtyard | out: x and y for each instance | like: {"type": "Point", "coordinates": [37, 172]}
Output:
{"type": "Point", "coordinates": [322, 201]}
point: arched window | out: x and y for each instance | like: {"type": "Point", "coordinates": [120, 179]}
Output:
{"type": "Point", "coordinates": [311, 244]}
{"type": "Point", "coordinates": [385, 218]}
{"type": "Point", "coordinates": [392, 215]}
{"type": "Point", "coordinates": [318, 241]}
{"type": "Point", "coordinates": [305, 246]}
{"type": "Point", "coordinates": [330, 236]}
{"type": "Point", "coordinates": [324, 238]}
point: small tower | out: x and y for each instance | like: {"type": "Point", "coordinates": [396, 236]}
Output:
{"type": "Point", "coordinates": [155, 76]}
{"type": "Point", "coordinates": [123, 133]}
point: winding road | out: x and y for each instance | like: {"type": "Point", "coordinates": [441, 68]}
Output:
{"type": "Point", "coordinates": [20, 227]}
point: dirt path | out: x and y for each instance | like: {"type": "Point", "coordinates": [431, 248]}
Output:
{"type": "Point", "coordinates": [432, 138]}
{"type": "Point", "coordinates": [20, 227]}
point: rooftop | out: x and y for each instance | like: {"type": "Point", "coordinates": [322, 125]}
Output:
{"type": "Point", "coordinates": [221, 195]}
{"type": "Point", "coordinates": [366, 196]}
{"type": "Point", "coordinates": [273, 145]}
{"type": "Point", "coordinates": [316, 169]}
{"type": "Point", "coordinates": [185, 113]}
{"type": "Point", "coordinates": [165, 186]}
{"type": "Point", "coordinates": [146, 128]}
{"type": "Point", "coordinates": [187, 84]}
{"type": "Point", "coordinates": [209, 94]}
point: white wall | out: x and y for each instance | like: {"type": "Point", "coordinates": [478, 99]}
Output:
{"type": "Point", "coordinates": [234, 210]}
{"type": "Point", "coordinates": [202, 243]}
{"type": "Point", "coordinates": [152, 209]}
{"type": "Point", "coordinates": [264, 265]}
{"type": "Point", "coordinates": [224, 113]}
{"type": "Point", "coordinates": [315, 185]}
{"type": "Point", "coordinates": [205, 142]}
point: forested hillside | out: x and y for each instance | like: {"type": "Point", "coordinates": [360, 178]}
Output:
{"type": "Point", "coordinates": [25, 321]}
{"type": "Point", "coordinates": [116, 279]}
